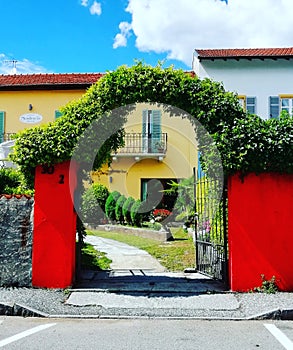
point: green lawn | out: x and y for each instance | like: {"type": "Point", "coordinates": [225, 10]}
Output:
{"type": "Point", "coordinates": [93, 259]}
{"type": "Point", "coordinates": [175, 255]}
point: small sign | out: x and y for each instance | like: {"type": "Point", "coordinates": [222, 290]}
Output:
{"type": "Point", "coordinates": [30, 118]}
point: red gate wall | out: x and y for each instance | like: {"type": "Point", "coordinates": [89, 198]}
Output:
{"type": "Point", "coordinates": [53, 256]}
{"type": "Point", "coordinates": [260, 230]}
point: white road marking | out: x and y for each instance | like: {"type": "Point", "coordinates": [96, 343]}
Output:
{"type": "Point", "coordinates": [280, 336]}
{"type": "Point", "coordinates": [25, 334]}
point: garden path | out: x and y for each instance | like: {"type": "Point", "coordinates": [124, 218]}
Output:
{"type": "Point", "coordinates": [124, 256]}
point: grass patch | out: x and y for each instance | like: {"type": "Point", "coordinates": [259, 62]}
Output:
{"type": "Point", "coordinates": [176, 255]}
{"type": "Point", "coordinates": [92, 259]}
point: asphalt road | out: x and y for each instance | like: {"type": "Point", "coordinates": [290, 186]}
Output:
{"type": "Point", "coordinates": [140, 334]}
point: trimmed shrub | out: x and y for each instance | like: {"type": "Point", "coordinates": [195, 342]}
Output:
{"type": "Point", "coordinates": [135, 214]}
{"type": "Point", "coordinates": [145, 211]}
{"type": "Point", "coordinates": [111, 204]}
{"type": "Point", "coordinates": [93, 203]}
{"type": "Point", "coordinates": [101, 193]}
{"type": "Point", "coordinates": [118, 209]}
{"type": "Point", "coordinates": [126, 209]}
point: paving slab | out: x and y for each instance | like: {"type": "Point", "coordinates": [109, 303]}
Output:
{"type": "Point", "coordinates": [148, 281]}
{"type": "Point", "coordinates": [113, 300]}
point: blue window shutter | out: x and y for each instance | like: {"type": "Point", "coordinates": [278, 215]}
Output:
{"type": "Point", "coordinates": [58, 114]}
{"type": "Point", "coordinates": [2, 125]}
{"type": "Point", "coordinates": [274, 104]}
{"type": "Point", "coordinates": [251, 104]}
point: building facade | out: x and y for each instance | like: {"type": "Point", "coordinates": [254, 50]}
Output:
{"type": "Point", "coordinates": [159, 148]}
{"type": "Point", "coordinates": [35, 99]}
{"type": "Point", "coordinates": [262, 78]}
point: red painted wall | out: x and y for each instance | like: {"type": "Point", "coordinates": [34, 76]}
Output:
{"type": "Point", "coordinates": [260, 230]}
{"type": "Point", "coordinates": [53, 257]}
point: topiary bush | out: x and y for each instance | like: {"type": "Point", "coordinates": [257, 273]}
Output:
{"type": "Point", "coordinates": [118, 209]}
{"type": "Point", "coordinates": [93, 203]}
{"type": "Point", "coordinates": [135, 214]}
{"type": "Point", "coordinates": [111, 204]}
{"type": "Point", "coordinates": [126, 209]}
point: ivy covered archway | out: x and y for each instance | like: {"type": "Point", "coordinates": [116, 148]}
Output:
{"type": "Point", "coordinates": [246, 142]}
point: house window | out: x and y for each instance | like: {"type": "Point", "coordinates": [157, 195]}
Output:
{"type": "Point", "coordinates": [151, 130]}
{"type": "Point", "coordinates": [248, 103]}
{"type": "Point", "coordinates": [287, 105]}
{"type": "Point", "coordinates": [279, 104]}
{"type": "Point", "coordinates": [251, 105]}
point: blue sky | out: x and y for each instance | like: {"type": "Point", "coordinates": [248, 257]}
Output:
{"type": "Point", "coordinates": [64, 36]}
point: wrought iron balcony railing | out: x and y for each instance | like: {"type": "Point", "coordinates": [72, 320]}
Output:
{"type": "Point", "coordinates": [144, 144]}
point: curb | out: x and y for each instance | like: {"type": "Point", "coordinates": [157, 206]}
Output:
{"type": "Point", "coordinates": [13, 309]}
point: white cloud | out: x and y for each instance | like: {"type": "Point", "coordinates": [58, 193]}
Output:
{"type": "Point", "coordinates": [10, 66]}
{"type": "Point", "coordinates": [121, 38]}
{"type": "Point", "coordinates": [179, 27]}
{"type": "Point", "coordinates": [96, 8]}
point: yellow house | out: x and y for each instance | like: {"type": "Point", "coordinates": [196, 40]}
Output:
{"type": "Point", "coordinates": [34, 99]}
{"type": "Point", "coordinates": [158, 147]}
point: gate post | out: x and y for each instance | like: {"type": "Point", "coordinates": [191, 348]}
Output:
{"type": "Point", "coordinates": [260, 230]}
{"type": "Point", "coordinates": [53, 256]}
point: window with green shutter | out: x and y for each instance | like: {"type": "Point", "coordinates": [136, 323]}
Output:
{"type": "Point", "coordinates": [2, 125]}
{"type": "Point", "coordinates": [151, 130]}
{"type": "Point", "coordinates": [58, 114]}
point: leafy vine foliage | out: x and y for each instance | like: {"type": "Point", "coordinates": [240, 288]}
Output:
{"type": "Point", "coordinates": [246, 143]}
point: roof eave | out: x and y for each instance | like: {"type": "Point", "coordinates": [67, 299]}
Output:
{"type": "Point", "coordinates": [73, 86]}
{"type": "Point", "coordinates": [249, 58]}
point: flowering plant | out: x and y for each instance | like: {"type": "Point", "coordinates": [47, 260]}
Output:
{"type": "Point", "coordinates": [160, 214]}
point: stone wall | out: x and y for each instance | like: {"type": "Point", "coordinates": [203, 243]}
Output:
{"type": "Point", "coordinates": [16, 228]}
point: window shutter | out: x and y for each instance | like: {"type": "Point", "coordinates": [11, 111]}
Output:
{"type": "Point", "coordinates": [144, 190]}
{"type": "Point", "coordinates": [144, 121]}
{"type": "Point", "coordinates": [2, 125]}
{"type": "Point", "coordinates": [58, 114]}
{"type": "Point", "coordinates": [156, 123]}
{"type": "Point", "coordinates": [251, 104]}
{"type": "Point", "coordinates": [274, 104]}
{"type": "Point", "coordinates": [156, 131]}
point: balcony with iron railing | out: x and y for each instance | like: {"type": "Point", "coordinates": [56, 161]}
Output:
{"type": "Point", "coordinates": [141, 146]}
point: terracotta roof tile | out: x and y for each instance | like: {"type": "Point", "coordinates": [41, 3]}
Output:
{"type": "Point", "coordinates": [22, 80]}
{"type": "Point", "coordinates": [245, 53]}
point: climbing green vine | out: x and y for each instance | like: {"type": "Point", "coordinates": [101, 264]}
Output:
{"type": "Point", "coordinates": [246, 143]}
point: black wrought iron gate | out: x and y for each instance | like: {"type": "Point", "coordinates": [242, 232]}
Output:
{"type": "Point", "coordinates": [211, 226]}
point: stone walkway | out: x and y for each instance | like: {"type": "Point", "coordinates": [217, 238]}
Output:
{"type": "Point", "coordinates": [124, 256]}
